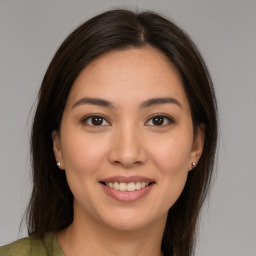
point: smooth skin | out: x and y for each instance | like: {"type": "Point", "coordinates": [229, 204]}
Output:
{"type": "Point", "coordinates": [112, 127]}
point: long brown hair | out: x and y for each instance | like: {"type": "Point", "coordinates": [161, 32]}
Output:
{"type": "Point", "coordinates": [51, 204]}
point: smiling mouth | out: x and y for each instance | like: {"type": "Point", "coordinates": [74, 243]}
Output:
{"type": "Point", "coordinates": [127, 187]}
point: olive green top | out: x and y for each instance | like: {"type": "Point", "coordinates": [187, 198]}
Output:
{"type": "Point", "coordinates": [32, 246]}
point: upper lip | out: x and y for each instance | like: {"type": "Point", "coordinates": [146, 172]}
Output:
{"type": "Point", "coordinates": [126, 179]}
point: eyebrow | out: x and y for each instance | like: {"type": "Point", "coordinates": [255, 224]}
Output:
{"type": "Point", "coordinates": [159, 101]}
{"type": "Point", "coordinates": [145, 104]}
{"type": "Point", "coordinates": [93, 101]}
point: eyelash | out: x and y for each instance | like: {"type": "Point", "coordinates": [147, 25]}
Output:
{"type": "Point", "coordinates": [86, 118]}
{"type": "Point", "coordinates": [166, 118]}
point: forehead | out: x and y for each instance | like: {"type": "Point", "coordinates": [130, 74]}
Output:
{"type": "Point", "coordinates": [125, 76]}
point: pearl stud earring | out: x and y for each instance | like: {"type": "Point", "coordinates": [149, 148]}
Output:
{"type": "Point", "coordinates": [193, 164]}
{"type": "Point", "coordinates": [58, 163]}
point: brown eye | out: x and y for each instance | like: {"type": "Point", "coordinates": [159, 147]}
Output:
{"type": "Point", "coordinates": [159, 120]}
{"type": "Point", "coordinates": [95, 121]}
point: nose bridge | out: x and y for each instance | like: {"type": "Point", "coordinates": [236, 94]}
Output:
{"type": "Point", "coordinates": [128, 146]}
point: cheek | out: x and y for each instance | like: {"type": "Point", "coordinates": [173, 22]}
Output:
{"type": "Point", "coordinates": [173, 165]}
{"type": "Point", "coordinates": [172, 154]}
{"type": "Point", "coordinates": [171, 159]}
{"type": "Point", "coordinates": [82, 155]}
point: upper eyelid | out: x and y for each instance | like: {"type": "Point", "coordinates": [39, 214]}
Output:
{"type": "Point", "coordinates": [170, 118]}
{"type": "Point", "coordinates": [161, 115]}
{"type": "Point", "coordinates": [86, 117]}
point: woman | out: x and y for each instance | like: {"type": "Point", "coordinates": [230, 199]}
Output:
{"type": "Point", "coordinates": [123, 142]}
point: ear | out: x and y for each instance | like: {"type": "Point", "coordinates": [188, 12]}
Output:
{"type": "Point", "coordinates": [57, 149]}
{"type": "Point", "coordinates": [197, 147]}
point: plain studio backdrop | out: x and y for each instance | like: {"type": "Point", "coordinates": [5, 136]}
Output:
{"type": "Point", "coordinates": [225, 33]}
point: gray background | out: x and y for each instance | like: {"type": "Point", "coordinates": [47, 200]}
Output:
{"type": "Point", "coordinates": [225, 32]}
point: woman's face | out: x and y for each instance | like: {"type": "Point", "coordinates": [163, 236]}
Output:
{"type": "Point", "coordinates": [126, 139]}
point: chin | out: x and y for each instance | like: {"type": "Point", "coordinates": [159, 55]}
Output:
{"type": "Point", "coordinates": [132, 220]}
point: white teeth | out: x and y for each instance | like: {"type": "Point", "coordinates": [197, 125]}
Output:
{"type": "Point", "coordinates": [132, 186]}
{"type": "Point", "coordinates": [138, 185]}
{"type": "Point", "coordinates": [116, 185]}
{"type": "Point", "coordinates": [122, 186]}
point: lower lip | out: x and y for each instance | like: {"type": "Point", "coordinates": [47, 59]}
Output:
{"type": "Point", "coordinates": [127, 196]}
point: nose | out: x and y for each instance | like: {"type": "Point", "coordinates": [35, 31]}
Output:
{"type": "Point", "coordinates": [127, 148]}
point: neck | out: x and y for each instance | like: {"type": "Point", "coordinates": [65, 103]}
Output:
{"type": "Point", "coordinates": [92, 238]}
